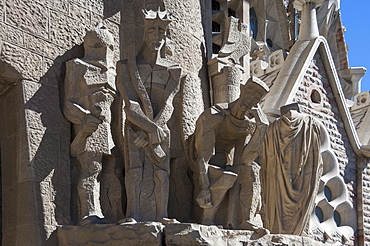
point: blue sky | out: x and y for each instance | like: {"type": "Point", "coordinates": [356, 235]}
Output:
{"type": "Point", "coordinates": [355, 17]}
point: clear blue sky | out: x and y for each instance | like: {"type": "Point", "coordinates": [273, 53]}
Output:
{"type": "Point", "coordinates": [355, 17]}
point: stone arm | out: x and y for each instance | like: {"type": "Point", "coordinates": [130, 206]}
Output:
{"type": "Point", "coordinates": [133, 109]}
{"type": "Point", "coordinates": [73, 110]}
{"type": "Point", "coordinates": [252, 150]}
{"type": "Point", "coordinates": [171, 90]}
{"type": "Point", "coordinates": [137, 117]}
{"type": "Point", "coordinates": [205, 148]}
{"type": "Point", "coordinates": [204, 141]}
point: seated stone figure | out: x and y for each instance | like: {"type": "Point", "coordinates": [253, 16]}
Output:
{"type": "Point", "coordinates": [220, 130]}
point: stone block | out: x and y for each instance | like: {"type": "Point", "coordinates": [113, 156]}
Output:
{"type": "Point", "coordinates": [59, 5]}
{"type": "Point", "coordinates": [30, 234]}
{"type": "Point", "coordinates": [26, 204]}
{"type": "Point", "coordinates": [30, 16]}
{"type": "Point", "coordinates": [8, 221]}
{"type": "Point", "coordinates": [41, 46]}
{"type": "Point", "coordinates": [28, 64]}
{"type": "Point", "coordinates": [9, 161]}
{"type": "Point", "coordinates": [96, 6]}
{"type": "Point", "coordinates": [192, 23]}
{"type": "Point", "coordinates": [187, 51]}
{"type": "Point", "coordinates": [194, 234]}
{"type": "Point", "coordinates": [81, 3]}
{"type": "Point", "coordinates": [138, 234]}
{"type": "Point", "coordinates": [68, 31]}
{"type": "Point", "coordinates": [52, 72]}
{"type": "Point", "coordinates": [11, 113]}
{"type": "Point", "coordinates": [11, 34]}
{"type": "Point", "coordinates": [1, 10]}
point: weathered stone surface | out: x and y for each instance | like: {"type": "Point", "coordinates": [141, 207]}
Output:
{"type": "Point", "coordinates": [28, 64]}
{"type": "Point", "coordinates": [171, 235]}
{"type": "Point", "coordinates": [138, 234]}
{"type": "Point", "coordinates": [148, 83]}
{"type": "Point", "coordinates": [91, 117]}
{"type": "Point", "coordinates": [30, 16]}
{"type": "Point", "coordinates": [218, 149]}
{"type": "Point", "coordinates": [11, 34]}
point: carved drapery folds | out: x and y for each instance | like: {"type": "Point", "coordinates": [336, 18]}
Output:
{"type": "Point", "coordinates": [291, 168]}
{"type": "Point", "coordinates": [148, 83]}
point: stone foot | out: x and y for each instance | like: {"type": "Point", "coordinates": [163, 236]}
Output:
{"type": "Point", "coordinates": [259, 230]}
{"type": "Point", "coordinates": [89, 220]}
{"type": "Point", "coordinates": [166, 221]}
{"type": "Point", "coordinates": [127, 221]}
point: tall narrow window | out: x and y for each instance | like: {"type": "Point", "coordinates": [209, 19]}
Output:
{"type": "Point", "coordinates": [253, 22]}
{"type": "Point", "coordinates": [215, 5]}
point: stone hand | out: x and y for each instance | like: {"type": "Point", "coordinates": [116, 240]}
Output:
{"type": "Point", "coordinates": [158, 135]}
{"type": "Point", "coordinates": [260, 116]}
{"type": "Point", "coordinates": [204, 198]}
{"type": "Point", "coordinates": [91, 123]}
{"type": "Point", "coordinates": [141, 140]}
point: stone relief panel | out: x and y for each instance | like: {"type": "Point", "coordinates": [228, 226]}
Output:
{"type": "Point", "coordinates": [225, 150]}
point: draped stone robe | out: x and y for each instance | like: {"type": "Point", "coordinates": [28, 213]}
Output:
{"type": "Point", "coordinates": [291, 168]}
{"type": "Point", "coordinates": [148, 93]}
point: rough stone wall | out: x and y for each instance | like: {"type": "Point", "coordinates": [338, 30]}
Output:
{"type": "Point", "coordinates": [329, 115]}
{"type": "Point", "coordinates": [37, 37]}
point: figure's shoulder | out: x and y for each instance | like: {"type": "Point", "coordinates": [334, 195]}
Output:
{"type": "Point", "coordinates": [213, 115]}
{"type": "Point", "coordinates": [122, 64]}
{"type": "Point", "coordinates": [122, 68]}
{"type": "Point", "coordinates": [77, 62]}
{"type": "Point", "coordinates": [168, 64]}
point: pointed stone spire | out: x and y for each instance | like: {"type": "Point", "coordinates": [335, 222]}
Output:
{"type": "Point", "coordinates": [309, 28]}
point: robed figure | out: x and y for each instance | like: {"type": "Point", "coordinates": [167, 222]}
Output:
{"type": "Point", "coordinates": [291, 166]}
{"type": "Point", "coordinates": [148, 83]}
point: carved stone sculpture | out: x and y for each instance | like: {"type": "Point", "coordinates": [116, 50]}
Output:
{"type": "Point", "coordinates": [148, 83]}
{"type": "Point", "coordinates": [291, 168]}
{"type": "Point", "coordinates": [225, 70]}
{"type": "Point", "coordinates": [219, 130]}
{"type": "Point", "coordinates": [89, 92]}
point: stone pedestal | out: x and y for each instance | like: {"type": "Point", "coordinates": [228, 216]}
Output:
{"type": "Point", "coordinates": [154, 233]}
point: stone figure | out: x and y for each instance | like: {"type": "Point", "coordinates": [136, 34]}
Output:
{"type": "Point", "coordinates": [291, 168]}
{"type": "Point", "coordinates": [148, 83]}
{"type": "Point", "coordinates": [89, 92]}
{"type": "Point", "coordinates": [219, 130]}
